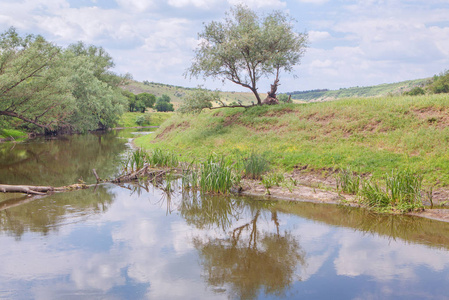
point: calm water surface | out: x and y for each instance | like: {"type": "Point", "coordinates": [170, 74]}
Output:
{"type": "Point", "coordinates": [131, 243]}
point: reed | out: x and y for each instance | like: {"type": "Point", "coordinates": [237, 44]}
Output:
{"type": "Point", "coordinates": [217, 175]}
{"type": "Point", "coordinates": [402, 192]}
{"type": "Point", "coordinates": [348, 181]}
{"type": "Point", "coordinates": [255, 165]}
{"type": "Point", "coordinates": [163, 158]}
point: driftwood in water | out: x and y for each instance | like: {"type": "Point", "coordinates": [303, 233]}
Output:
{"type": "Point", "coordinates": [143, 172]}
{"type": "Point", "coordinates": [43, 190]}
{"type": "Point", "coordinates": [39, 190]}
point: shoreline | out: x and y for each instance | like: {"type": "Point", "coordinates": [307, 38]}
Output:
{"type": "Point", "coordinates": [323, 194]}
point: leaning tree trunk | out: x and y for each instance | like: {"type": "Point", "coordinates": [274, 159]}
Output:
{"type": "Point", "coordinates": [271, 97]}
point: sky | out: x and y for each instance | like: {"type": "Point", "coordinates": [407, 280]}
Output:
{"type": "Point", "coordinates": [351, 42]}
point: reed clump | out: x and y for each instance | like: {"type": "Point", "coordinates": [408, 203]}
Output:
{"type": "Point", "coordinates": [402, 192]}
{"type": "Point", "coordinates": [348, 181]}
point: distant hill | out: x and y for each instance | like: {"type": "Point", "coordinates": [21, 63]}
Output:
{"type": "Point", "coordinates": [369, 91]}
{"type": "Point", "coordinates": [176, 93]}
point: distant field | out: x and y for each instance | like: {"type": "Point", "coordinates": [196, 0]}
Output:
{"type": "Point", "coordinates": [176, 93]}
{"type": "Point", "coordinates": [128, 119]}
{"type": "Point", "coordinates": [388, 89]}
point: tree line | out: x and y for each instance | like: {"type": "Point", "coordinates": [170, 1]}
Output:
{"type": "Point", "coordinates": [52, 88]}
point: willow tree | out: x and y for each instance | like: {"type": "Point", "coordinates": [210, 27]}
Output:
{"type": "Point", "coordinates": [245, 47]}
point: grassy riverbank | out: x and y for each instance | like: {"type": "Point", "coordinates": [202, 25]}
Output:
{"type": "Point", "coordinates": [373, 135]}
{"type": "Point", "coordinates": [129, 119]}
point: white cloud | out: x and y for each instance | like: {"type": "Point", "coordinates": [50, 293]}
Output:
{"type": "Point", "coordinates": [260, 3]}
{"type": "Point", "coordinates": [316, 36]}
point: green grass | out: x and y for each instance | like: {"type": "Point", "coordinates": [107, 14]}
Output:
{"type": "Point", "coordinates": [12, 134]}
{"type": "Point", "coordinates": [401, 191]}
{"type": "Point", "coordinates": [372, 135]}
{"type": "Point", "coordinates": [128, 119]}
{"type": "Point", "coordinates": [368, 91]}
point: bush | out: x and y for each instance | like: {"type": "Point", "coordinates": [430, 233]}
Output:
{"type": "Point", "coordinates": [415, 91]}
{"type": "Point", "coordinates": [440, 83]}
{"type": "Point", "coordinates": [143, 119]}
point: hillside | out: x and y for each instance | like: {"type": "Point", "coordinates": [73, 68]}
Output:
{"type": "Point", "coordinates": [369, 91]}
{"type": "Point", "coordinates": [176, 93]}
{"type": "Point", "coordinates": [371, 135]}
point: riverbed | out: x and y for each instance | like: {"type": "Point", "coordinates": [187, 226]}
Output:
{"type": "Point", "coordinates": [140, 242]}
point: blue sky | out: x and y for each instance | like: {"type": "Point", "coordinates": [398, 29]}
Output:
{"type": "Point", "coordinates": [352, 42]}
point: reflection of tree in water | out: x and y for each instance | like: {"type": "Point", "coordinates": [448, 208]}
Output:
{"type": "Point", "coordinates": [44, 215]}
{"type": "Point", "coordinates": [60, 161]}
{"type": "Point", "coordinates": [248, 259]}
{"type": "Point", "coordinates": [209, 211]}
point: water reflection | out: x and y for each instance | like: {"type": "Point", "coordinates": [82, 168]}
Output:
{"type": "Point", "coordinates": [143, 242]}
{"type": "Point", "coordinates": [60, 161]}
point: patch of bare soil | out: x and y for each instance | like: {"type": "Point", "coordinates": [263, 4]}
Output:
{"type": "Point", "coordinates": [170, 128]}
{"type": "Point", "coordinates": [433, 116]}
{"type": "Point", "coordinates": [313, 186]}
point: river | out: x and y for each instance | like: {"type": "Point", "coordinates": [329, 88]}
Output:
{"type": "Point", "coordinates": [129, 242]}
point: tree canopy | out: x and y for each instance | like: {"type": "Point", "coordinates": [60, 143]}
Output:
{"type": "Point", "coordinates": [54, 88]}
{"type": "Point", "coordinates": [163, 104]}
{"type": "Point", "coordinates": [245, 47]}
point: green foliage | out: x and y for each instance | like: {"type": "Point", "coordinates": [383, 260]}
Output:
{"type": "Point", "coordinates": [12, 133]}
{"type": "Point", "coordinates": [255, 166]}
{"type": "Point", "coordinates": [373, 134]}
{"type": "Point", "coordinates": [163, 104]}
{"type": "Point", "coordinates": [144, 119]}
{"type": "Point", "coordinates": [146, 100]}
{"type": "Point", "coordinates": [348, 181]}
{"type": "Point", "coordinates": [387, 89]}
{"type": "Point", "coordinates": [198, 99]}
{"type": "Point", "coordinates": [402, 192]}
{"type": "Point", "coordinates": [416, 91]}
{"type": "Point", "coordinates": [245, 47]}
{"type": "Point", "coordinates": [55, 89]}
{"type": "Point", "coordinates": [163, 158]}
{"type": "Point", "coordinates": [440, 83]}
{"type": "Point", "coordinates": [272, 179]}
{"type": "Point", "coordinates": [284, 98]}
{"type": "Point", "coordinates": [217, 175]}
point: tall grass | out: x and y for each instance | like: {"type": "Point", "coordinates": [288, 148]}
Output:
{"type": "Point", "coordinates": [402, 192]}
{"type": "Point", "coordinates": [163, 158]}
{"type": "Point", "coordinates": [215, 175]}
{"type": "Point", "coordinates": [348, 181]}
{"type": "Point", "coordinates": [255, 166]}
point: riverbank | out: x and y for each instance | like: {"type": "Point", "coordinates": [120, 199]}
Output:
{"type": "Point", "coordinates": [371, 136]}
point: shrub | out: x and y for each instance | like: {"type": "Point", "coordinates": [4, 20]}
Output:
{"type": "Point", "coordinates": [143, 119]}
{"type": "Point", "coordinates": [402, 192]}
{"type": "Point", "coordinates": [415, 91]}
{"type": "Point", "coordinates": [440, 83]}
{"type": "Point", "coordinates": [348, 181]}
{"type": "Point", "coordinates": [255, 165]}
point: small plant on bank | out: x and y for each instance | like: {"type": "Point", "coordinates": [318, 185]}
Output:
{"type": "Point", "coordinates": [348, 181]}
{"type": "Point", "coordinates": [255, 165]}
{"type": "Point", "coordinates": [217, 175]}
{"type": "Point", "coordinates": [402, 192]}
{"type": "Point", "coordinates": [143, 119]}
{"type": "Point", "coordinates": [270, 180]}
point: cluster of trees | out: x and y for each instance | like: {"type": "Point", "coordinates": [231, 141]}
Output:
{"type": "Point", "coordinates": [438, 85]}
{"type": "Point", "coordinates": [139, 102]}
{"type": "Point", "coordinates": [53, 89]}
{"type": "Point", "coordinates": [163, 104]}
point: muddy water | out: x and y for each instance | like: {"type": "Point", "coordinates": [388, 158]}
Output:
{"type": "Point", "coordinates": [130, 243]}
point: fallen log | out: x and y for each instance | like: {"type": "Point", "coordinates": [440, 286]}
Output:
{"type": "Point", "coordinates": [39, 190]}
